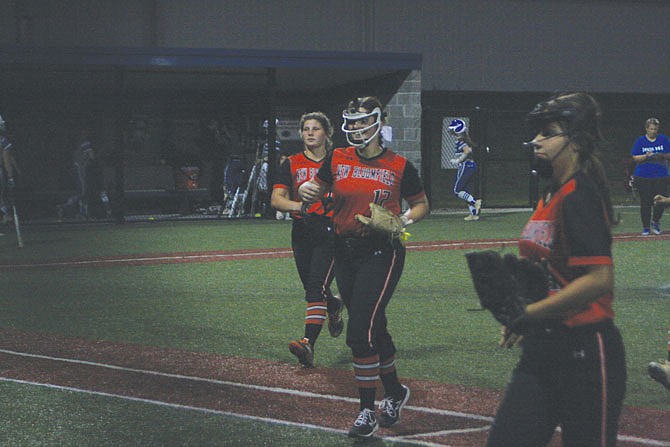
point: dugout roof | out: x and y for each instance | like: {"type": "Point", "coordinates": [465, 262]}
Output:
{"type": "Point", "coordinates": [28, 68]}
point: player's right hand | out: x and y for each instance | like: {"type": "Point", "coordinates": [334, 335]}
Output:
{"type": "Point", "coordinates": [508, 338]}
{"type": "Point", "coordinates": [310, 191]}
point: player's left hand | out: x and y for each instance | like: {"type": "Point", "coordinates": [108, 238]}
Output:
{"type": "Point", "coordinates": [382, 221]}
{"type": "Point", "coordinates": [505, 286]}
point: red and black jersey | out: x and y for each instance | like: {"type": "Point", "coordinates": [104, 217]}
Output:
{"type": "Point", "coordinates": [355, 182]}
{"type": "Point", "coordinates": [295, 171]}
{"type": "Point", "coordinates": [572, 231]}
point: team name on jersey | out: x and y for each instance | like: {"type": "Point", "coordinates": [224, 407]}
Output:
{"type": "Point", "coordinates": [653, 149]}
{"type": "Point", "coordinates": [384, 176]}
{"type": "Point", "coordinates": [304, 174]}
{"type": "Point", "coordinates": [540, 232]}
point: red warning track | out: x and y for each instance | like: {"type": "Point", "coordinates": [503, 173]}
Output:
{"type": "Point", "coordinates": [269, 253]}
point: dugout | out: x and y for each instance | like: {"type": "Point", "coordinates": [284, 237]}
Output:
{"type": "Point", "coordinates": [147, 107]}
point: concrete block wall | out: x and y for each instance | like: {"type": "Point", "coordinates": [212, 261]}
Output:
{"type": "Point", "coordinates": [404, 116]}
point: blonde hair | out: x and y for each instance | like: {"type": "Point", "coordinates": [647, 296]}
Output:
{"type": "Point", "coordinates": [325, 123]}
{"type": "Point", "coordinates": [652, 121]}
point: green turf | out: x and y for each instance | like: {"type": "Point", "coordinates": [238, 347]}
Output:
{"type": "Point", "coordinates": [50, 242]}
{"type": "Point", "coordinates": [36, 416]}
{"type": "Point", "coordinates": [254, 307]}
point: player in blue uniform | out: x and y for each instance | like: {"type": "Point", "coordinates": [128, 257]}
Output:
{"type": "Point", "coordinates": [467, 168]}
{"type": "Point", "coordinates": [651, 152]}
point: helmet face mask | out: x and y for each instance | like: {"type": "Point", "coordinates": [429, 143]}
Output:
{"type": "Point", "coordinates": [356, 136]}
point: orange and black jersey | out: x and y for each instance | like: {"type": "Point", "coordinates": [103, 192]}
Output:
{"type": "Point", "coordinates": [355, 182]}
{"type": "Point", "coordinates": [295, 171]}
{"type": "Point", "coordinates": [572, 231]}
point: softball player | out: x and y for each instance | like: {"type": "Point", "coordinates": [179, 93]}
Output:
{"type": "Point", "coordinates": [660, 371]}
{"type": "Point", "coordinates": [572, 370]}
{"type": "Point", "coordinates": [467, 168]}
{"type": "Point", "coordinates": [651, 152]}
{"type": "Point", "coordinates": [368, 265]}
{"type": "Point", "coordinates": [311, 235]}
{"type": "Point", "coordinates": [8, 169]}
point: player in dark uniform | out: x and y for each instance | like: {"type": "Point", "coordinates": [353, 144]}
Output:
{"type": "Point", "coordinates": [467, 168]}
{"type": "Point", "coordinates": [572, 371]}
{"type": "Point", "coordinates": [8, 170]}
{"type": "Point", "coordinates": [311, 235]}
{"type": "Point", "coordinates": [368, 265]}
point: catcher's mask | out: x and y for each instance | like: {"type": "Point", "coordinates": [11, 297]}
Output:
{"type": "Point", "coordinates": [356, 137]}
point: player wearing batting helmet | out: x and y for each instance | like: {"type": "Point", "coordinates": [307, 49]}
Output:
{"type": "Point", "coordinates": [467, 168]}
{"type": "Point", "coordinates": [572, 371]}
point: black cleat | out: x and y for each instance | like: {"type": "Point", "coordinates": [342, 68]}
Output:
{"type": "Point", "coordinates": [365, 424]}
{"type": "Point", "coordinates": [303, 350]}
{"type": "Point", "coordinates": [335, 322]}
{"type": "Point", "coordinates": [390, 408]}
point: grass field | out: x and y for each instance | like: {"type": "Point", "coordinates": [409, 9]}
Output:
{"type": "Point", "coordinates": [253, 307]}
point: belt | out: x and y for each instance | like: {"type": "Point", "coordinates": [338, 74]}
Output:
{"type": "Point", "coordinates": [561, 329]}
{"type": "Point", "coordinates": [364, 243]}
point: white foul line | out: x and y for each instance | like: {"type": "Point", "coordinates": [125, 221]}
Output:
{"type": "Point", "coordinates": [408, 438]}
{"type": "Point", "coordinates": [239, 385]}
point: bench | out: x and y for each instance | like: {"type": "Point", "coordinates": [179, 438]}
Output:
{"type": "Point", "coordinates": [158, 188]}
{"type": "Point", "coordinates": [147, 190]}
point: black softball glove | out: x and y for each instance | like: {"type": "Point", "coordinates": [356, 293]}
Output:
{"type": "Point", "coordinates": [506, 285]}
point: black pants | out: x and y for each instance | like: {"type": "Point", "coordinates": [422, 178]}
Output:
{"type": "Point", "coordinates": [575, 378]}
{"type": "Point", "coordinates": [367, 272]}
{"type": "Point", "coordinates": [648, 188]}
{"type": "Point", "coordinates": [312, 240]}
